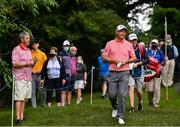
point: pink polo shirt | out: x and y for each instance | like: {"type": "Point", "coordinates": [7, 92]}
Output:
{"type": "Point", "coordinates": [20, 53]}
{"type": "Point", "coordinates": [119, 50]}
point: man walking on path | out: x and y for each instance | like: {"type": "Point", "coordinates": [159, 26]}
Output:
{"type": "Point", "coordinates": [136, 78]}
{"type": "Point", "coordinates": [36, 71]}
{"type": "Point", "coordinates": [22, 63]}
{"type": "Point", "coordinates": [153, 87]}
{"type": "Point", "coordinates": [119, 53]}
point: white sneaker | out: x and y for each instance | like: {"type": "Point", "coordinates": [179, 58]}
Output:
{"type": "Point", "coordinates": [121, 121]}
{"type": "Point", "coordinates": [114, 113]}
{"type": "Point", "coordinates": [78, 102]}
{"type": "Point", "coordinates": [49, 104]}
{"type": "Point", "coordinates": [156, 105]}
{"type": "Point", "coordinates": [58, 104]}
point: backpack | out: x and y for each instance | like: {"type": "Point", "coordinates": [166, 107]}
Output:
{"type": "Point", "coordinates": [153, 69]}
{"type": "Point", "coordinates": [141, 49]}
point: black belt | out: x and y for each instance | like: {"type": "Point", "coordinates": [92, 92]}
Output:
{"type": "Point", "coordinates": [36, 73]}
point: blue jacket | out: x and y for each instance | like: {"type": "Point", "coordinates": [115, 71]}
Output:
{"type": "Point", "coordinates": [103, 67]}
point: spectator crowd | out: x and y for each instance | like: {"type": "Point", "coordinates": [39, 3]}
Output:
{"type": "Point", "coordinates": [125, 66]}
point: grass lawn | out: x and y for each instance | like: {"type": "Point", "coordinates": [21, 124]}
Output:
{"type": "Point", "coordinates": [99, 114]}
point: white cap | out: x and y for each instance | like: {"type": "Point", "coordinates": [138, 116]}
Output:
{"type": "Point", "coordinates": [66, 42]}
{"type": "Point", "coordinates": [132, 37]}
{"type": "Point", "coordinates": [120, 27]}
{"type": "Point", "coordinates": [155, 41]}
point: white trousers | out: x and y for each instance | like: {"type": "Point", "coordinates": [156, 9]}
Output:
{"type": "Point", "coordinates": [154, 86]}
{"type": "Point", "coordinates": [168, 73]}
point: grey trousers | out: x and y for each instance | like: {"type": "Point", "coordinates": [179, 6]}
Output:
{"type": "Point", "coordinates": [36, 84]}
{"type": "Point", "coordinates": [118, 89]}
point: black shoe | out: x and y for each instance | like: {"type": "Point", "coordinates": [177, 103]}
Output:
{"type": "Point", "coordinates": [132, 109]}
{"type": "Point", "coordinates": [151, 104]}
{"type": "Point", "coordinates": [140, 107]}
{"type": "Point", "coordinates": [24, 118]}
{"type": "Point", "coordinates": [18, 122]}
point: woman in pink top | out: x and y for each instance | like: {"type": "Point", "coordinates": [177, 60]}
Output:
{"type": "Point", "coordinates": [66, 93]}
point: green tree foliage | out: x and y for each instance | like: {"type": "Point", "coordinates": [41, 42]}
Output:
{"type": "Point", "coordinates": [169, 3]}
{"type": "Point", "coordinates": [82, 22]}
{"type": "Point", "coordinates": [14, 15]}
{"type": "Point", "coordinates": [161, 8]}
{"type": "Point", "coordinates": [33, 6]}
{"type": "Point", "coordinates": [5, 73]}
{"type": "Point", "coordinates": [88, 24]}
{"type": "Point", "coordinates": [173, 20]}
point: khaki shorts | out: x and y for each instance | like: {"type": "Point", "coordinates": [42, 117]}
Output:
{"type": "Point", "coordinates": [23, 89]}
{"type": "Point", "coordinates": [136, 82]}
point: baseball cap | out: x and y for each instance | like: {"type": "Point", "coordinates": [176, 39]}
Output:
{"type": "Point", "coordinates": [155, 41]}
{"type": "Point", "coordinates": [66, 42]}
{"type": "Point", "coordinates": [121, 27]}
{"type": "Point", "coordinates": [132, 37]}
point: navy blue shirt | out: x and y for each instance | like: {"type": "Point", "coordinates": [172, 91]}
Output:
{"type": "Point", "coordinates": [137, 72]}
{"type": "Point", "coordinates": [62, 53]}
{"type": "Point", "coordinates": [170, 51]}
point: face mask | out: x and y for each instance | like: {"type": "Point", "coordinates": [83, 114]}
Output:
{"type": "Point", "coordinates": [52, 55]}
{"type": "Point", "coordinates": [79, 61]}
{"type": "Point", "coordinates": [66, 49]}
{"type": "Point", "coordinates": [73, 53]}
{"type": "Point", "coordinates": [154, 46]}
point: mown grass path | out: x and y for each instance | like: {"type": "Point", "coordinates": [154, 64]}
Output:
{"type": "Point", "coordinates": [99, 114]}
